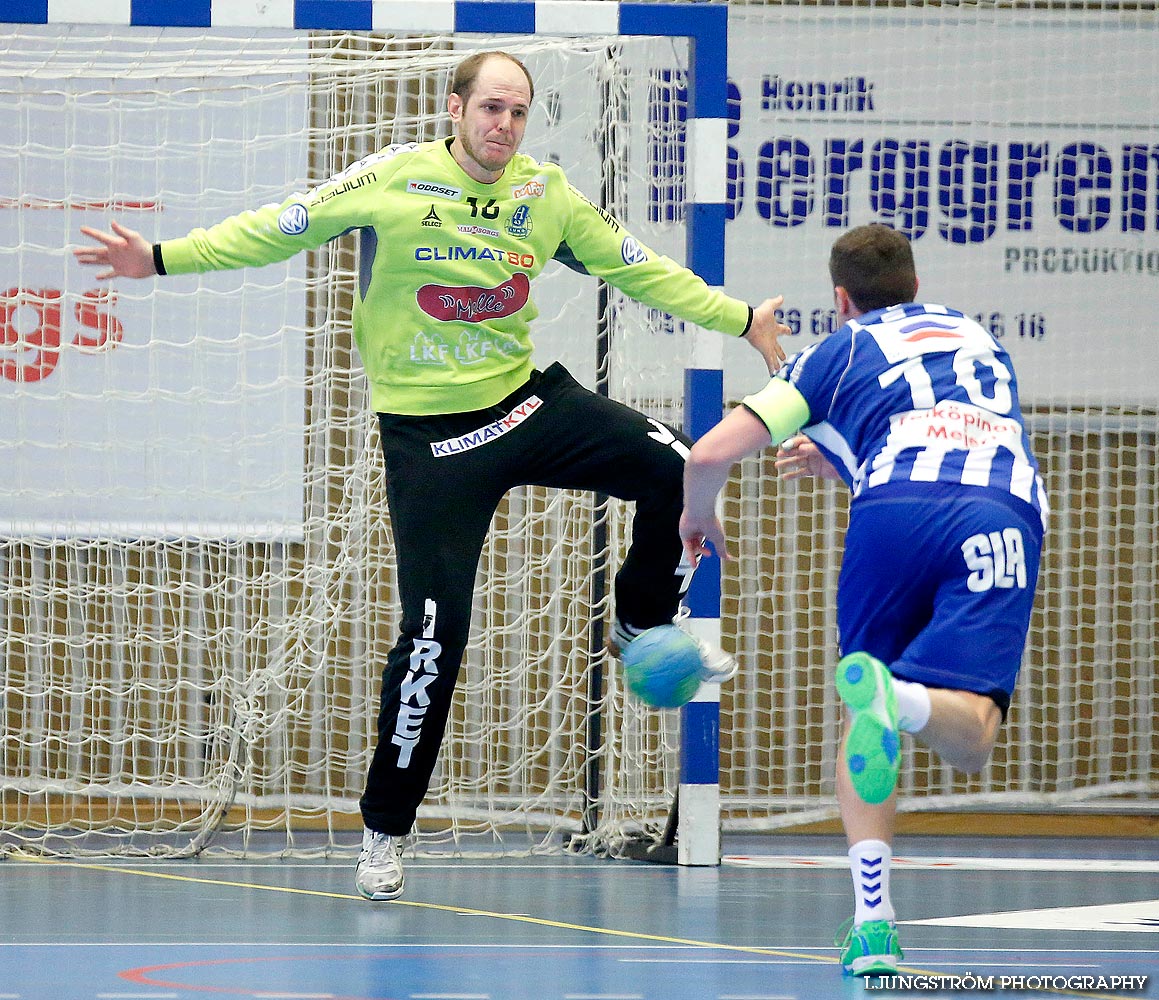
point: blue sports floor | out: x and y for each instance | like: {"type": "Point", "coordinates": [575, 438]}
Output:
{"type": "Point", "coordinates": [1064, 913]}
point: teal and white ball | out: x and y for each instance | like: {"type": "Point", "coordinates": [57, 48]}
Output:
{"type": "Point", "coordinates": [662, 667]}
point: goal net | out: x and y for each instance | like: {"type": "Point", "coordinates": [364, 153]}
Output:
{"type": "Point", "coordinates": [198, 593]}
{"type": "Point", "coordinates": [1031, 194]}
{"type": "Point", "coordinates": [197, 588]}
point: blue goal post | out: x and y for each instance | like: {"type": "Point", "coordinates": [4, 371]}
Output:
{"type": "Point", "coordinates": [705, 26]}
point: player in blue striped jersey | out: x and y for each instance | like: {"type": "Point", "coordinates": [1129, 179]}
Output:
{"type": "Point", "coordinates": [916, 393]}
{"type": "Point", "coordinates": [916, 408]}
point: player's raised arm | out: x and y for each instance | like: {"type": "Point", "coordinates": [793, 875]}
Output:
{"type": "Point", "coordinates": [123, 253]}
{"type": "Point", "coordinates": [772, 415]}
{"type": "Point", "coordinates": [706, 471]}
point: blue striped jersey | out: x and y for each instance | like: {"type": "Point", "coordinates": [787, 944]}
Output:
{"type": "Point", "coordinates": [917, 393]}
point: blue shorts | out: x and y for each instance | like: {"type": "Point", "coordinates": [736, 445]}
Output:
{"type": "Point", "coordinates": [939, 585]}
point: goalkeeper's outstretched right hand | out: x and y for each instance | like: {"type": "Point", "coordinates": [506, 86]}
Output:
{"type": "Point", "coordinates": [765, 330]}
{"type": "Point", "coordinates": [123, 253]}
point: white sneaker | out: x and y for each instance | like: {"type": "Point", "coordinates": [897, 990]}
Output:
{"type": "Point", "coordinates": [379, 875]}
{"type": "Point", "coordinates": [716, 666]}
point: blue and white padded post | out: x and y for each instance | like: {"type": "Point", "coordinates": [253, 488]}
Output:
{"type": "Point", "coordinates": [698, 817]}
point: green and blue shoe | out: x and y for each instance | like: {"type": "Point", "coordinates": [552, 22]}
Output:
{"type": "Point", "coordinates": [869, 949]}
{"type": "Point", "coordinates": [873, 749]}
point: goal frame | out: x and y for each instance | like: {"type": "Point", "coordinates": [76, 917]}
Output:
{"type": "Point", "coordinates": [696, 809]}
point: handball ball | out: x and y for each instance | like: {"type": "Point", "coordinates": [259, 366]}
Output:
{"type": "Point", "coordinates": [662, 666]}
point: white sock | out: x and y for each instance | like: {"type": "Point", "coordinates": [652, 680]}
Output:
{"type": "Point", "coordinates": [913, 705]}
{"type": "Point", "coordinates": [869, 861]}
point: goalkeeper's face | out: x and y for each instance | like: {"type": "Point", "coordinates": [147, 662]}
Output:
{"type": "Point", "coordinates": [489, 126]}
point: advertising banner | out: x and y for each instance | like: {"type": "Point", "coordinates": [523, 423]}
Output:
{"type": "Point", "coordinates": [170, 406]}
{"type": "Point", "coordinates": [1019, 151]}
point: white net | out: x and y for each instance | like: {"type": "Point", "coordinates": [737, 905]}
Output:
{"type": "Point", "coordinates": [1009, 143]}
{"type": "Point", "coordinates": [198, 590]}
{"type": "Point", "coordinates": [196, 576]}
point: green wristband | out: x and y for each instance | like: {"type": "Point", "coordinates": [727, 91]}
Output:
{"type": "Point", "coordinates": [780, 407]}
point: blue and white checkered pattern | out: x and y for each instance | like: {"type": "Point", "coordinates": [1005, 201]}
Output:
{"type": "Point", "coordinates": [560, 17]}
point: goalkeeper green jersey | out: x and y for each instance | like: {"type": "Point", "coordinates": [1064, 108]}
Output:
{"type": "Point", "coordinates": [443, 309]}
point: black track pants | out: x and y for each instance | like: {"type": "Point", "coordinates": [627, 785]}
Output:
{"type": "Point", "coordinates": [445, 477]}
